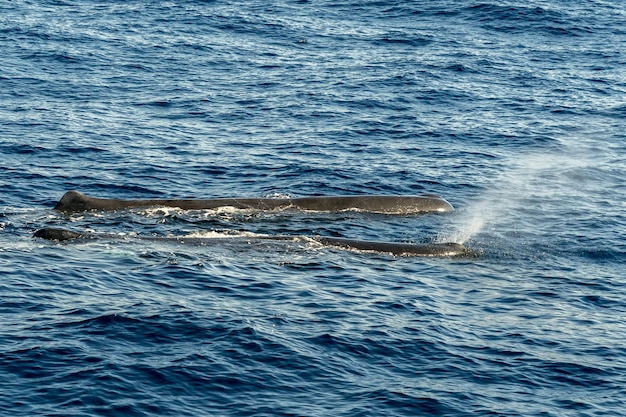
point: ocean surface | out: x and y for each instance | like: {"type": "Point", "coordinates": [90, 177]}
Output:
{"type": "Point", "coordinates": [515, 112]}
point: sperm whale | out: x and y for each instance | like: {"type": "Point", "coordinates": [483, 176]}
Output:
{"type": "Point", "coordinates": [398, 249]}
{"type": "Point", "coordinates": [74, 201]}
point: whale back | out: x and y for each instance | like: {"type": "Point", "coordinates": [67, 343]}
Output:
{"type": "Point", "coordinates": [74, 201]}
{"type": "Point", "coordinates": [393, 248]}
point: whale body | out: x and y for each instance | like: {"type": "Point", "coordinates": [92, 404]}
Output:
{"type": "Point", "coordinates": [74, 201]}
{"type": "Point", "coordinates": [398, 249]}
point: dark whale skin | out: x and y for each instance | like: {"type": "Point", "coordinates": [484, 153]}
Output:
{"type": "Point", "coordinates": [74, 201]}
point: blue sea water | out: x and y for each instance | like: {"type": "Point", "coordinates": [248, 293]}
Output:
{"type": "Point", "coordinates": [513, 111]}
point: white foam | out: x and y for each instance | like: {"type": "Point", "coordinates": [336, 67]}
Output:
{"type": "Point", "coordinates": [278, 195]}
{"type": "Point", "coordinates": [214, 234]}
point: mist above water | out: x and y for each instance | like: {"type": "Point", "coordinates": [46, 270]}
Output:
{"type": "Point", "coordinates": [521, 195]}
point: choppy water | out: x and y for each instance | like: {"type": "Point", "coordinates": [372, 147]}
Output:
{"type": "Point", "coordinates": [513, 112]}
